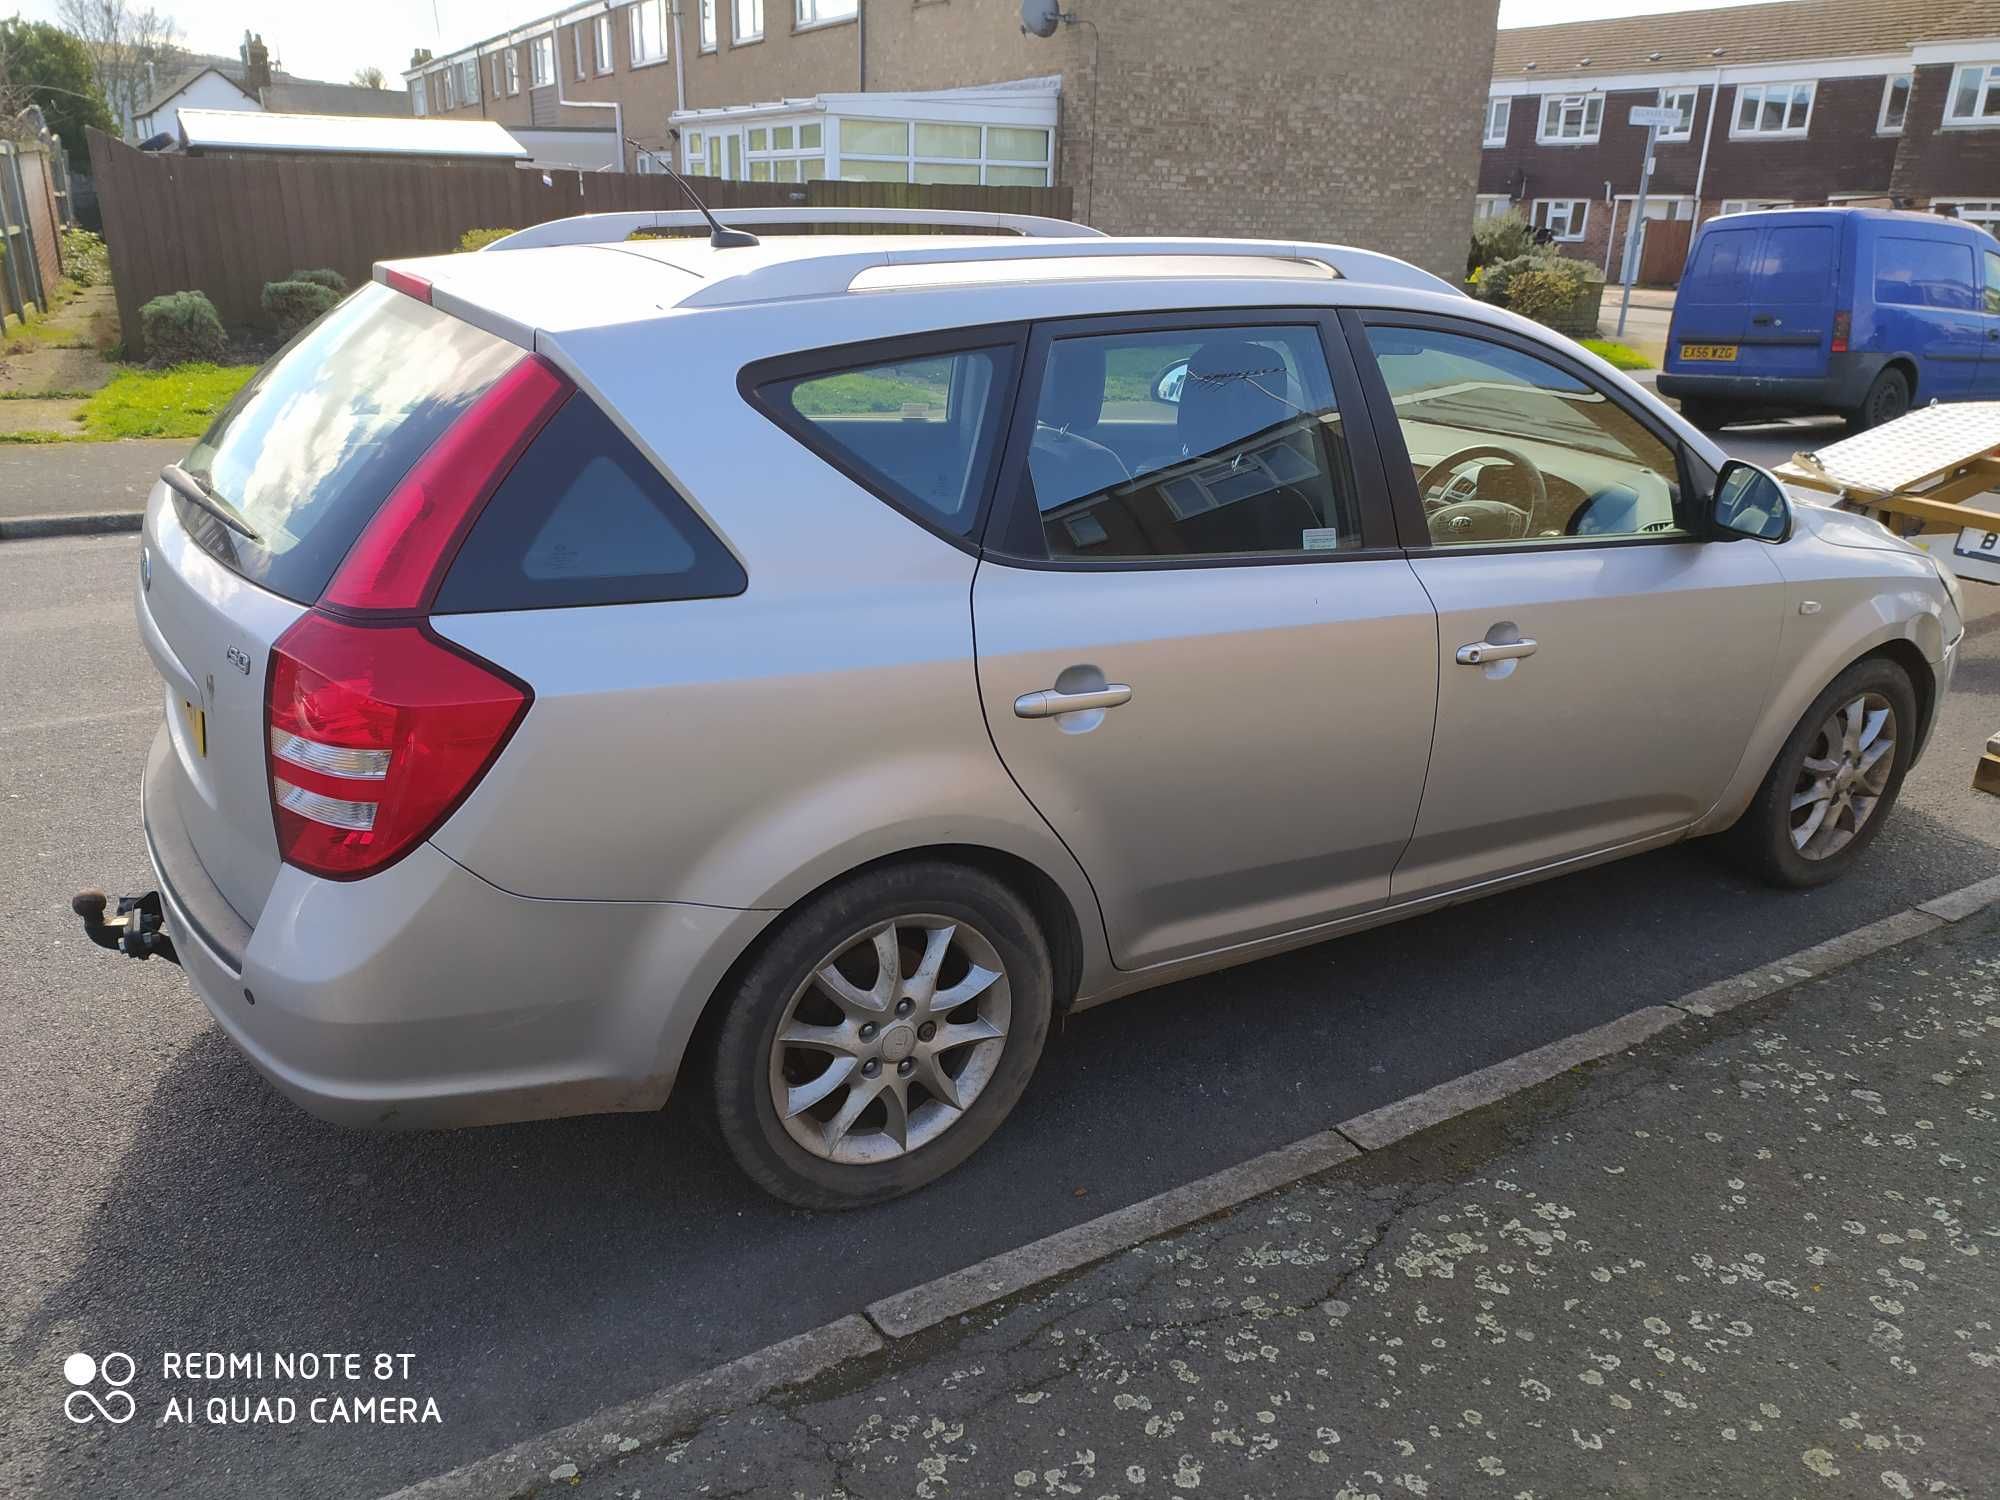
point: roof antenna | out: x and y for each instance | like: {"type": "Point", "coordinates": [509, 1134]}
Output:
{"type": "Point", "coordinates": [720, 236]}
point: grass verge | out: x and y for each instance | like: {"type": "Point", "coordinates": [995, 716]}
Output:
{"type": "Point", "coordinates": [177, 402]}
{"type": "Point", "coordinates": [1618, 356]}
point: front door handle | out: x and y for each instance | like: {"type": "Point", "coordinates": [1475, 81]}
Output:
{"type": "Point", "coordinates": [1480, 652]}
{"type": "Point", "coordinates": [1048, 703]}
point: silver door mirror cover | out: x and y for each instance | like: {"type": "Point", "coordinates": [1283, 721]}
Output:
{"type": "Point", "coordinates": [1748, 501]}
{"type": "Point", "coordinates": [1168, 383]}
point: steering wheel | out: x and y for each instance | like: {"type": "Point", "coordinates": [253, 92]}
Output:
{"type": "Point", "coordinates": [1456, 512]}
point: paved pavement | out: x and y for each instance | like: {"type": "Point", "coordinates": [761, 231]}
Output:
{"type": "Point", "coordinates": [156, 1195]}
{"type": "Point", "coordinates": [81, 478]}
{"type": "Point", "coordinates": [1757, 1256]}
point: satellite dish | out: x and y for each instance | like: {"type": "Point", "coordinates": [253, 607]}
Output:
{"type": "Point", "coordinates": [1040, 17]}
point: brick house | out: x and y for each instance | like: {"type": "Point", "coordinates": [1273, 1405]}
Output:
{"type": "Point", "coordinates": [1800, 102]}
{"type": "Point", "coordinates": [1319, 119]}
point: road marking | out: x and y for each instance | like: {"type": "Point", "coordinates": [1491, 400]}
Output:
{"type": "Point", "coordinates": [679, 1409]}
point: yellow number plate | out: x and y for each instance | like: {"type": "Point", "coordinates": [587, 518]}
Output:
{"type": "Point", "coordinates": [1721, 353]}
{"type": "Point", "coordinates": [197, 722]}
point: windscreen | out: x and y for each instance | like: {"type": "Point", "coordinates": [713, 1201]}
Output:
{"type": "Point", "coordinates": [314, 444]}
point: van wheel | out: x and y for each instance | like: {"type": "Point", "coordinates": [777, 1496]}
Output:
{"type": "Point", "coordinates": [1831, 788]}
{"type": "Point", "coordinates": [884, 1032]}
{"type": "Point", "coordinates": [1887, 399]}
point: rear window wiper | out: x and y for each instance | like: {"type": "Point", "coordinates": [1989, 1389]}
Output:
{"type": "Point", "coordinates": [188, 487]}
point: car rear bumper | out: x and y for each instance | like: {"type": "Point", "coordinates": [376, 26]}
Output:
{"type": "Point", "coordinates": [425, 996]}
{"type": "Point", "coordinates": [1840, 389]}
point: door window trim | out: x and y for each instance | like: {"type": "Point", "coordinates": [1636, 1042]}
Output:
{"type": "Point", "coordinates": [1408, 505]}
{"type": "Point", "coordinates": [755, 379]}
{"type": "Point", "coordinates": [1015, 516]}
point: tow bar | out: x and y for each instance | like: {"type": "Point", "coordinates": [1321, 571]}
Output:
{"type": "Point", "coordinates": [138, 931]}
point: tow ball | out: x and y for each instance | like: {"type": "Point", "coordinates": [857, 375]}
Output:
{"type": "Point", "coordinates": [138, 931]}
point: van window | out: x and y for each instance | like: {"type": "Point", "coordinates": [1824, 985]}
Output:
{"type": "Point", "coordinates": [1797, 265]}
{"type": "Point", "coordinates": [1911, 272]}
{"type": "Point", "coordinates": [1721, 262]}
{"type": "Point", "coordinates": [1992, 282]}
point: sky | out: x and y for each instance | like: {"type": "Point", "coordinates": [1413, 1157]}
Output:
{"type": "Point", "coordinates": [330, 39]}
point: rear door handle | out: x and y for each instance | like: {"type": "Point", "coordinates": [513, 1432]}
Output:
{"type": "Point", "coordinates": [1048, 703]}
{"type": "Point", "coordinates": [1480, 652]}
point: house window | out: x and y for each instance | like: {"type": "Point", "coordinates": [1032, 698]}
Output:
{"type": "Point", "coordinates": [649, 31]}
{"type": "Point", "coordinates": [1975, 96]}
{"type": "Point", "coordinates": [420, 103]}
{"type": "Point", "coordinates": [1773, 109]}
{"type": "Point", "coordinates": [1895, 104]}
{"type": "Point", "coordinates": [468, 80]}
{"type": "Point", "coordinates": [1499, 114]}
{"type": "Point", "coordinates": [792, 152]}
{"type": "Point", "coordinates": [749, 20]}
{"type": "Point", "coordinates": [512, 59]}
{"type": "Point", "coordinates": [496, 76]}
{"type": "Point", "coordinates": [1682, 102]}
{"type": "Point", "coordinates": [542, 62]}
{"type": "Point", "coordinates": [1751, 205]}
{"type": "Point", "coordinates": [1575, 118]}
{"type": "Point", "coordinates": [1564, 218]}
{"type": "Point", "coordinates": [576, 45]}
{"type": "Point", "coordinates": [1985, 212]}
{"type": "Point", "coordinates": [819, 12]}
{"type": "Point", "coordinates": [1491, 205]}
{"type": "Point", "coordinates": [447, 91]}
{"type": "Point", "coordinates": [602, 29]}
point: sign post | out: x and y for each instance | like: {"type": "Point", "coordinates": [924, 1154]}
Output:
{"type": "Point", "coordinates": [1652, 117]}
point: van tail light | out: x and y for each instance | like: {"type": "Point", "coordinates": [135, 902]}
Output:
{"type": "Point", "coordinates": [1843, 330]}
{"type": "Point", "coordinates": [377, 727]}
{"type": "Point", "coordinates": [376, 734]}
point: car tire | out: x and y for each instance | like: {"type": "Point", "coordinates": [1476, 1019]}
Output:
{"type": "Point", "coordinates": [1887, 399]}
{"type": "Point", "coordinates": [1704, 414]}
{"type": "Point", "coordinates": [1766, 839]}
{"type": "Point", "coordinates": [820, 975]}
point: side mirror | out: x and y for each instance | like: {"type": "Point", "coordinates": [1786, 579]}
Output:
{"type": "Point", "coordinates": [1168, 383]}
{"type": "Point", "coordinates": [1749, 502]}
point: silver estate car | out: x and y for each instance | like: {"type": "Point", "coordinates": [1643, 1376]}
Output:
{"type": "Point", "coordinates": [811, 665]}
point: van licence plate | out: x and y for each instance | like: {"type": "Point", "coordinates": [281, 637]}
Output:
{"type": "Point", "coordinates": [1721, 353]}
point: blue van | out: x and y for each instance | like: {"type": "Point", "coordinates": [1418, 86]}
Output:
{"type": "Point", "coordinates": [1859, 311]}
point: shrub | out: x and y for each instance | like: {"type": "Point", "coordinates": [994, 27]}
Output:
{"type": "Point", "coordinates": [290, 305]}
{"type": "Point", "coordinates": [84, 257]}
{"type": "Point", "coordinates": [479, 239]}
{"type": "Point", "coordinates": [1505, 236]}
{"type": "Point", "coordinates": [333, 281]}
{"type": "Point", "coordinates": [182, 328]}
{"type": "Point", "coordinates": [1545, 294]}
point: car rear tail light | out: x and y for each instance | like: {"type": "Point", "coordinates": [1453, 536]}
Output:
{"type": "Point", "coordinates": [408, 285]}
{"type": "Point", "coordinates": [377, 732]}
{"type": "Point", "coordinates": [378, 728]}
{"type": "Point", "coordinates": [1843, 330]}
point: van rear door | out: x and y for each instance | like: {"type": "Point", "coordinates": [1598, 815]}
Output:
{"type": "Point", "coordinates": [1790, 297]}
{"type": "Point", "coordinates": [1709, 312]}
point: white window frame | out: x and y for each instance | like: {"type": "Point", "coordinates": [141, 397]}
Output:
{"type": "Point", "coordinates": [1670, 99]}
{"type": "Point", "coordinates": [746, 21]}
{"type": "Point", "coordinates": [601, 44]}
{"type": "Point", "coordinates": [789, 162]}
{"type": "Point", "coordinates": [510, 64]}
{"type": "Point", "coordinates": [541, 61]}
{"type": "Point", "coordinates": [636, 33]}
{"type": "Point", "coordinates": [447, 91]}
{"type": "Point", "coordinates": [466, 87]}
{"type": "Point", "coordinates": [1988, 85]}
{"type": "Point", "coordinates": [807, 14]}
{"type": "Point", "coordinates": [704, 25]}
{"type": "Point", "coordinates": [1985, 212]}
{"type": "Point", "coordinates": [576, 47]}
{"type": "Point", "coordinates": [1576, 217]}
{"type": "Point", "coordinates": [1882, 125]}
{"type": "Point", "coordinates": [1589, 110]}
{"type": "Point", "coordinates": [1750, 205]}
{"type": "Point", "coordinates": [496, 80]}
{"type": "Point", "coordinates": [420, 97]}
{"type": "Point", "coordinates": [1762, 93]}
{"type": "Point", "coordinates": [1491, 205]}
{"type": "Point", "coordinates": [838, 156]}
{"type": "Point", "coordinates": [1499, 115]}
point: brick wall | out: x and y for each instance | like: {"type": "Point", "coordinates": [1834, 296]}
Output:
{"type": "Point", "coordinates": [1936, 162]}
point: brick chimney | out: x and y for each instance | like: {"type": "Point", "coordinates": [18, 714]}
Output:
{"type": "Point", "coordinates": [256, 64]}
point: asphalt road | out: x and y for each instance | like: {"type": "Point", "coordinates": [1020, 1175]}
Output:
{"type": "Point", "coordinates": [156, 1195]}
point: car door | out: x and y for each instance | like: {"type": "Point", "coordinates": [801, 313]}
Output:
{"type": "Point", "coordinates": [1201, 653]}
{"type": "Point", "coordinates": [1600, 666]}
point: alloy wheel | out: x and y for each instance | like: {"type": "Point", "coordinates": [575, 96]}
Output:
{"type": "Point", "coordinates": [1845, 773]}
{"type": "Point", "coordinates": [889, 1039]}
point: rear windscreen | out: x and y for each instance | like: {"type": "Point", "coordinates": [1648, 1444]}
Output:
{"type": "Point", "coordinates": [312, 446]}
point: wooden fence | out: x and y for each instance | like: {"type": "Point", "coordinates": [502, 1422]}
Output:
{"type": "Point", "coordinates": [225, 226]}
{"type": "Point", "coordinates": [30, 254]}
{"type": "Point", "coordinates": [1663, 250]}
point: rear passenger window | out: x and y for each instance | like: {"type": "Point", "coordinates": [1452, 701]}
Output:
{"type": "Point", "coordinates": [922, 432]}
{"type": "Point", "coordinates": [1721, 264]}
{"type": "Point", "coordinates": [584, 518]}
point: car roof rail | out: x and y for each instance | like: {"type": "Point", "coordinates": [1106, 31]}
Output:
{"type": "Point", "coordinates": [608, 228]}
{"type": "Point", "coordinates": [847, 269]}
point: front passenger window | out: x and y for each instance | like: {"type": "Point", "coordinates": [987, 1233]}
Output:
{"type": "Point", "coordinates": [1191, 443]}
{"type": "Point", "coordinates": [1509, 447]}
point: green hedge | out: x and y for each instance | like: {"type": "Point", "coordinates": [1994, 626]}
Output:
{"type": "Point", "coordinates": [182, 328]}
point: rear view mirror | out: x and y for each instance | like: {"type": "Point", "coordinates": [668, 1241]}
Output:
{"type": "Point", "coordinates": [1167, 384]}
{"type": "Point", "coordinates": [1749, 502]}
